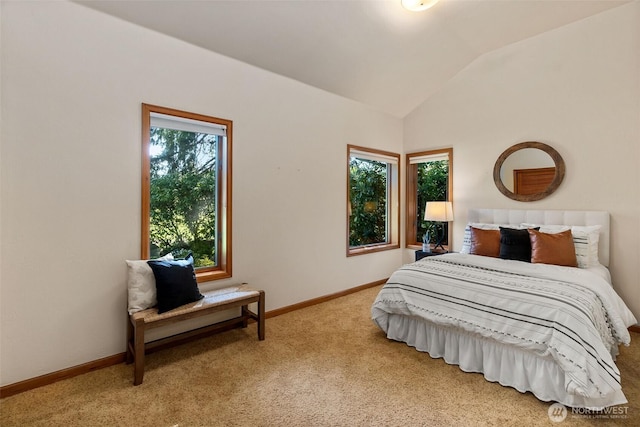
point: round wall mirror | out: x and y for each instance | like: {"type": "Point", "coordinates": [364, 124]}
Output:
{"type": "Point", "coordinates": [528, 171]}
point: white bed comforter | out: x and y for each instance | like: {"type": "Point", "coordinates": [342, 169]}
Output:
{"type": "Point", "coordinates": [568, 314]}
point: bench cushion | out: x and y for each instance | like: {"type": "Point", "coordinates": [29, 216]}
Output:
{"type": "Point", "coordinates": [211, 299]}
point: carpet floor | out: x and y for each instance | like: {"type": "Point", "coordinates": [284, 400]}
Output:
{"type": "Point", "coordinates": [325, 365]}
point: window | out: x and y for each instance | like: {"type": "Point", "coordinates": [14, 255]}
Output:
{"type": "Point", "coordinates": [429, 178]}
{"type": "Point", "coordinates": [372, 200]}
{"type": "Point", "coordinates": [186, 189]}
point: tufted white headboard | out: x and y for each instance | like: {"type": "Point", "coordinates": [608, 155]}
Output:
{"type": "Point", "coordinates": [549, 217]}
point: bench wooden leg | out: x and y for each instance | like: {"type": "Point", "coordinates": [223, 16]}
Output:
{"type": "Point", "coordinates": [129, 357]}
{"type": "Point", "coordinates": [138, 353]}
{"type": "Point", "coordinates": [245, 320]}
{"type": "Point", "coordinates": [261, 316]}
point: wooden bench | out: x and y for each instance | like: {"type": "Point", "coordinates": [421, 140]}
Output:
{"type": "Point", "coordinates": [213, 301]}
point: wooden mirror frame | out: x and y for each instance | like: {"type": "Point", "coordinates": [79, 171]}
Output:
{"type": "Point", "coordinates": [557, 179]}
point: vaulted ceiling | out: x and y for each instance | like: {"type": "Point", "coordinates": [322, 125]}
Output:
{"type": "Point", "coordinates": [371, 51]}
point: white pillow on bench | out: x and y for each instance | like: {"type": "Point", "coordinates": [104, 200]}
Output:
{"type": "Point", "coordinates": [141, 284]}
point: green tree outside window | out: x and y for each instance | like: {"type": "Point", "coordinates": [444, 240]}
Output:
{"type": "Point", "coordinates": [432, 185]}
{"type": "Point", "coordinates": [368, 198]}
{"type": "Point", "coordinates": [183, 194]}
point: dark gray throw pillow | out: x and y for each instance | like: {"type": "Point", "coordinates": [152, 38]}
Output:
{"type": "Point", "coordinates": [175, 283]}
{"type": "Point", "coordinates": [515, 244]}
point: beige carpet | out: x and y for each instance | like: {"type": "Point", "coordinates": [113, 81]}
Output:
{"type": "Point", "coordinates": [326, 365]}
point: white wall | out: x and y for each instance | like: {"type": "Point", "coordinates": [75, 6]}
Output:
{"type": "Point", "coordinates": [577, 89]}
{"type": "Point", "coordinates": [72, 81]}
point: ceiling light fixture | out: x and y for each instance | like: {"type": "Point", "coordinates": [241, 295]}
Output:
{"type": "Point", "coordinates": [417, 5]}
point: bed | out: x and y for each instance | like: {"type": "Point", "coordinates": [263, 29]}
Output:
{"type": "Point", "coordinates": [548, 329]}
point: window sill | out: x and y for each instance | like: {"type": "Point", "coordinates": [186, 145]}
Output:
{"type": "Point", "coordinates": [415, 246]}
{"type": "Point", "coordinates": [211, 275]}
{"type": "Point", "coordinates": [373, 248]}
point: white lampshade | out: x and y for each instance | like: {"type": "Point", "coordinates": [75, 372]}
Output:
{"type": "Point", "coordinates": [438, 211]}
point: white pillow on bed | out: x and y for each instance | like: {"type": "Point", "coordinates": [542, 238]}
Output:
{"type": "Point", "coordinates": [466, 242]}
{"type": "Point", "coordinates": [585, 240]}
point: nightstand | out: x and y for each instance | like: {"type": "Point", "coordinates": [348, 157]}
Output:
{"type": "Point", "coordinates": [422, 254]}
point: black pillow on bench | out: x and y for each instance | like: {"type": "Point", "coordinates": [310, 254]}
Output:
{"type": "Point", "coordinates": [175, 283]}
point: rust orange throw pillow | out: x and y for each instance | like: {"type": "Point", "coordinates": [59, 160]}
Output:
{"type": "Point", "coordinates": [555, 248]}
{"type": "Point", "coordinates": [485, 242]}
